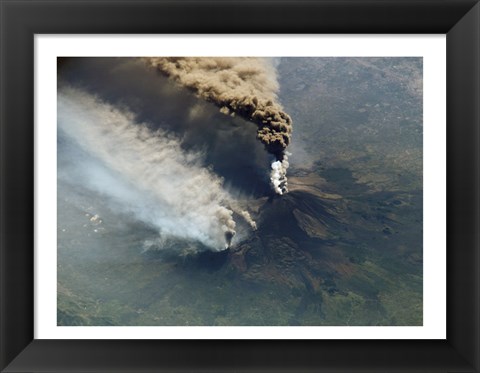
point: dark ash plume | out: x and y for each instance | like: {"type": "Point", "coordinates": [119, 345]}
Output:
{"type": "Point", "coordinates": [157, 100]}
{"type": "Point", "coordinates": [244, 86]}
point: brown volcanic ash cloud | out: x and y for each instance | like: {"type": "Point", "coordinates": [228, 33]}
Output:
{"type": "Point", "coordinates": [244, 86]}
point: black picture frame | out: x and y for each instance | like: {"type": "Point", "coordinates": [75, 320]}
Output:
{"type": "Point", "coordinates": [21, 20]}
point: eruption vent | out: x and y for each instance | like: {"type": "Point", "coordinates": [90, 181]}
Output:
{"type": "Point", "coordinates": [224, 216]}
{"type": "Point", "coordinates": [244, 86]}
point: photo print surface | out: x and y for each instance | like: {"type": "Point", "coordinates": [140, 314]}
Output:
{"type": "Point", "coordinates": [239, 191]}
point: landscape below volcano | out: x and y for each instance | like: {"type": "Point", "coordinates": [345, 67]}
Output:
{"type": "Point", "coordinates": [136, 241]}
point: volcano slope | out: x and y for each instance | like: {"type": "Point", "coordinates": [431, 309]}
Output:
{"type": "Point", "coordinates": [337, 258]}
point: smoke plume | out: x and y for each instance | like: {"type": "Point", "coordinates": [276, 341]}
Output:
{"type": "Point", "coordinates": [142, 172]}
{"type": "Point", "coordinates": [224, 141]}
{"type": "Point", "coordinates": [278, 175]}
{"type": "Point", "coordinates": [248, 219]}
{"type": "Point", "coordinates": [243, 86]}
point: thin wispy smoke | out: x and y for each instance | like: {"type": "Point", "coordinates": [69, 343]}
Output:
{"type": "Point", "coordinates": [153, 177]}
{"type": "Point", "coordinates": [248, 219]}
{"type": "Point", "coordinates": [244, 86]}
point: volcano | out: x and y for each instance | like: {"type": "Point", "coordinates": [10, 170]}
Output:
{"type": "Point", "coordinates": [294, 244]}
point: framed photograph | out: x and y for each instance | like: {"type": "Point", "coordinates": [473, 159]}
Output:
{"type": "Point", "coordinates": [238, 186]}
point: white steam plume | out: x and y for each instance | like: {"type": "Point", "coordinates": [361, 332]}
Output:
{"type": "Point", "coordinates": [278, 175]}
{"type": "Point", "coordinates": [154, 179]}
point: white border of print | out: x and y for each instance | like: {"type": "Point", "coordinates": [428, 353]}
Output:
{"type": "Point", "coordinates": [431, 47]}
